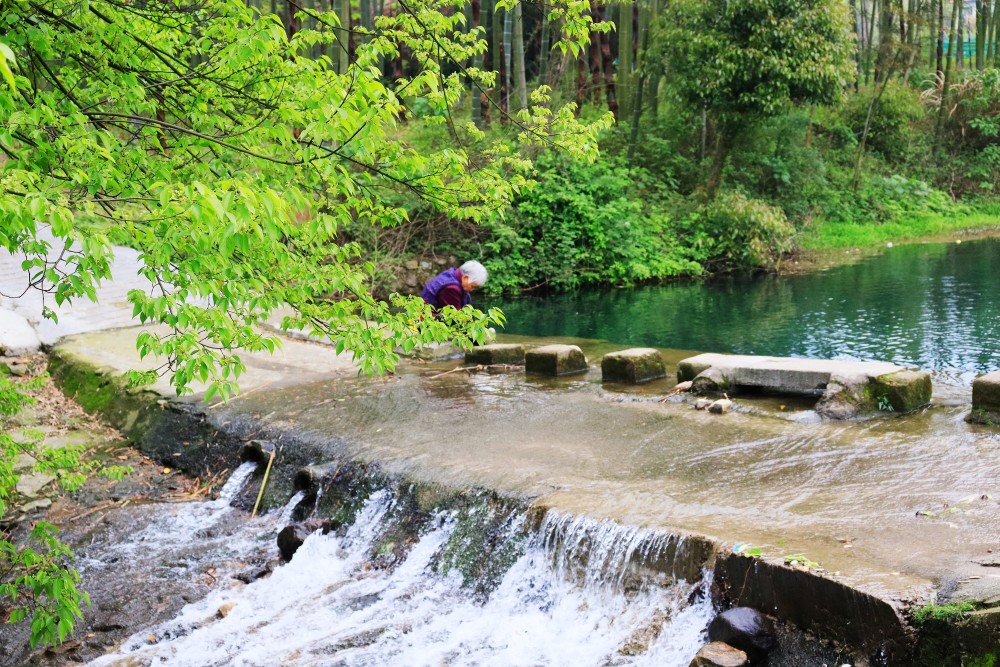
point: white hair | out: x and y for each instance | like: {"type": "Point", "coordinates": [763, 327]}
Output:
{"type": "Point", "coordinates": [475, 271]}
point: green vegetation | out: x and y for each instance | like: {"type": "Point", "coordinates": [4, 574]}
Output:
{"type": "Point", "coordinates": [944, 612]}
{"type": "Point", "coordinates": [282, 161]}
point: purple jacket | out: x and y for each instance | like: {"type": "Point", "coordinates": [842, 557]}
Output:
{"type": "Point", "coordinates": [445, 289]}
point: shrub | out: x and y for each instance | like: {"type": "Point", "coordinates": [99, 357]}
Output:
{"type": "Point", "coordinates": [891, 131]}
{"type": "Point", "coordinates": [735, 232]}
{"type": "Point", "coordinates": [582, 224]}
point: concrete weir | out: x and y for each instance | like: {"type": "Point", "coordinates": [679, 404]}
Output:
{"type": "Point", "coordinates": [564, 447]}
{"type": "Point", "coordinates": [844, 388]}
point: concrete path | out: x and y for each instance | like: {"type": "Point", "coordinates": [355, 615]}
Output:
{"type": "Point", "coordinates": [111, 310]}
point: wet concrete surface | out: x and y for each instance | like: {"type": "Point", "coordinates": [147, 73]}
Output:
{"type": "Point", "coordinates": [894, 505]}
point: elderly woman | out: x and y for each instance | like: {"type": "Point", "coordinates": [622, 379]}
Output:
{"type": "Point", "coordinates": [452, 286]}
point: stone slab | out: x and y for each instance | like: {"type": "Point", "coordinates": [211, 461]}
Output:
{"type": "Point", "coordinates": [496, 353]}
{"type": "Point", "coordinates": [635, 365]}
{"type": "Point", "coordinates": [555, 360]}
{"type": "Point", "coordinates": [786, 374]}
{"type": "Point", "coordinates": [986, 399]}
{"type": "Point", "coordinates": [17, 336]}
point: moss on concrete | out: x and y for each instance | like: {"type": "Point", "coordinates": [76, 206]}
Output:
{"type": "Point", "coordinates": [633, 366]}
{"type": "Point", "coordinates": [952, 636]}
{"type": "Point", "coordinates": [904, 391]}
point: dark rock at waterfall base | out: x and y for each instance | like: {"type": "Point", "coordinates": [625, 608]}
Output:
{"type": "Point", "coordinates": [255, 573]}
{"type": "Point", "coordinates": [746, 629]}
{"type": "Point", "coordinates": [293, 535]}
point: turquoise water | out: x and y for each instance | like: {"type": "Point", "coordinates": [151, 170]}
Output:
{"type": "Point", "coordinates": [933, 306]}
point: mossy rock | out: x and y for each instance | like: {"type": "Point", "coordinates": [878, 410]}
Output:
{"type": "Point", "coordinates": [904, 391]}
{"type": "Point", "coordinates": [688, 370]}
{"type": "Point", "coordinates": [497, 353]}
{"type": "Point", "coordinates": [711, 381]}
{"type": "Point", "coordinates": [555, 360]}
{"type": "Point", "coordinates": [986, 392]}
{"type": "Point", "coordinates": [633, 366]}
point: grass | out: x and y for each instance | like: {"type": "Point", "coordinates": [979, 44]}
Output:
{"type": "Point", "coordinates": [944, 612]}
{"type": "Point", "coordinates": [921, 227]}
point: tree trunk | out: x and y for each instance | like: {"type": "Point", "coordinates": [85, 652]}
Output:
{"type": "Point", "coordinates": [720, 153]}
{"type": "Point", "coordinates": [520, 76]}
{"type": "Point", "coordinates": [292, 22]}
{"type": "Point", "coordinates": [960, 38]}
{"type": "Point", "coordinates": [607, 62]}
{"type": "Point", "coordinates": [940, 39]}
{"type": "Point", "coordinates": [506, 78]}
{"type": "Point", "coordinates": [477, 100]}
{"type": "Point", "coordinates": [595, 67]}
{"type": "Point", "coordinates": [946, 85]}
{"type": "Point", "coordinates": [344, 38]}
{"type": "Point", "coordinates": [625, 79]}
{"type": "Point", "coordinates": [497, 59]}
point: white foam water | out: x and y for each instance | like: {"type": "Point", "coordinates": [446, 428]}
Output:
{"type": "Point", "coordinates": [328, 607]}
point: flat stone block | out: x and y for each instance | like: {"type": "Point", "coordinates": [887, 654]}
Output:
{"type": "Point", "coordinates": [784, 374]}
{"type": "Point", "coordinates": [986, 399]}
{"type": "Point", "coordinates": [555, 360]}
{"type": "Point", "coordinates": [640, 364]}
{"type": "Point", "coordinates": [905, 390]}
{"type": "Point", "coordinates": [986, 392]}
{"type": "Point", "coordinates": [497, 353]}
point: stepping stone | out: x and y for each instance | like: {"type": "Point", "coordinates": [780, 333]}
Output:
{"type": "Point", "coordinates": [986, 399]}
{"type": "Point", "coordinates": [555, 360]}
{"type": "Point", "coordinates": [639, 364]}
{"type": "Point", "coordinates": [496, 353]}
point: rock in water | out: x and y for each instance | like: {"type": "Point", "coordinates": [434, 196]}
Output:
{"type": "Point", "coordinates": [703, 403]}
{"type": "Point", "coordinates": [746, 629]}
{"type": "Point", "coordinates": [720, 654]}
{"type": "Point", "coordinates": [721, 406]}
{"type": "Point", "coordinates": [293, 535]}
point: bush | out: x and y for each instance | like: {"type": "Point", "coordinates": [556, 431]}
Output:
{"type": "Point", "coordinates": [735, 232]}
{"type": "Point", "coordinates": [891, 131]}
{"type": "Point", "coordinates": [583, 224]}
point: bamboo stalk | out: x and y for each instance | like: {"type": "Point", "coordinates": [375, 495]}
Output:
{"type": "Point", "coordinates": [267, 472]}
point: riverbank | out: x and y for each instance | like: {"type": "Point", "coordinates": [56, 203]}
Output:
{"type": "Point", "coordinates": [825, 245]}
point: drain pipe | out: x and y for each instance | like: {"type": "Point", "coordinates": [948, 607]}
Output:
{"type": "Point", "coordinates": [267, 472]}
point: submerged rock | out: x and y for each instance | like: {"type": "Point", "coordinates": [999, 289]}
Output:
{"type": "Point", "coordinates": [746, 629]}
{"type": "Point", "coordinates": [293, 535]}
{"type": "Point", "coordinates": [720, 654]}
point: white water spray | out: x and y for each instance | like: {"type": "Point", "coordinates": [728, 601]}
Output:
{"type": "Point", "coordinates": [330, 606]}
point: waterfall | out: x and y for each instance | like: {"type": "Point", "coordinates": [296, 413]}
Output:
{"type": "Point", "coordinates": [236, 482]}
{"type": "Point", "coordinates": [569, 597]}
{"type": "Point", "coordinates": [285, 515]}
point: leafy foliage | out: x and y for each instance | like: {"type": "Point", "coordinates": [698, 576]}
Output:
{"type": "Point", "coordinates": [583, 224]}
{"type": "Point", "coordinates": [202, 135]}
{"type": "Point", "coordinates": [746, 59]}
{"type": "Point", "coordinates": [35, 580]}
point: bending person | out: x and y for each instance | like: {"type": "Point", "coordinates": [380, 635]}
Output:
{"type": "Point", "coordinates": [452, 287]}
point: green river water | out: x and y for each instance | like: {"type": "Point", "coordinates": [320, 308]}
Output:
{"type": "Point", "coordinates": [929, 306]}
